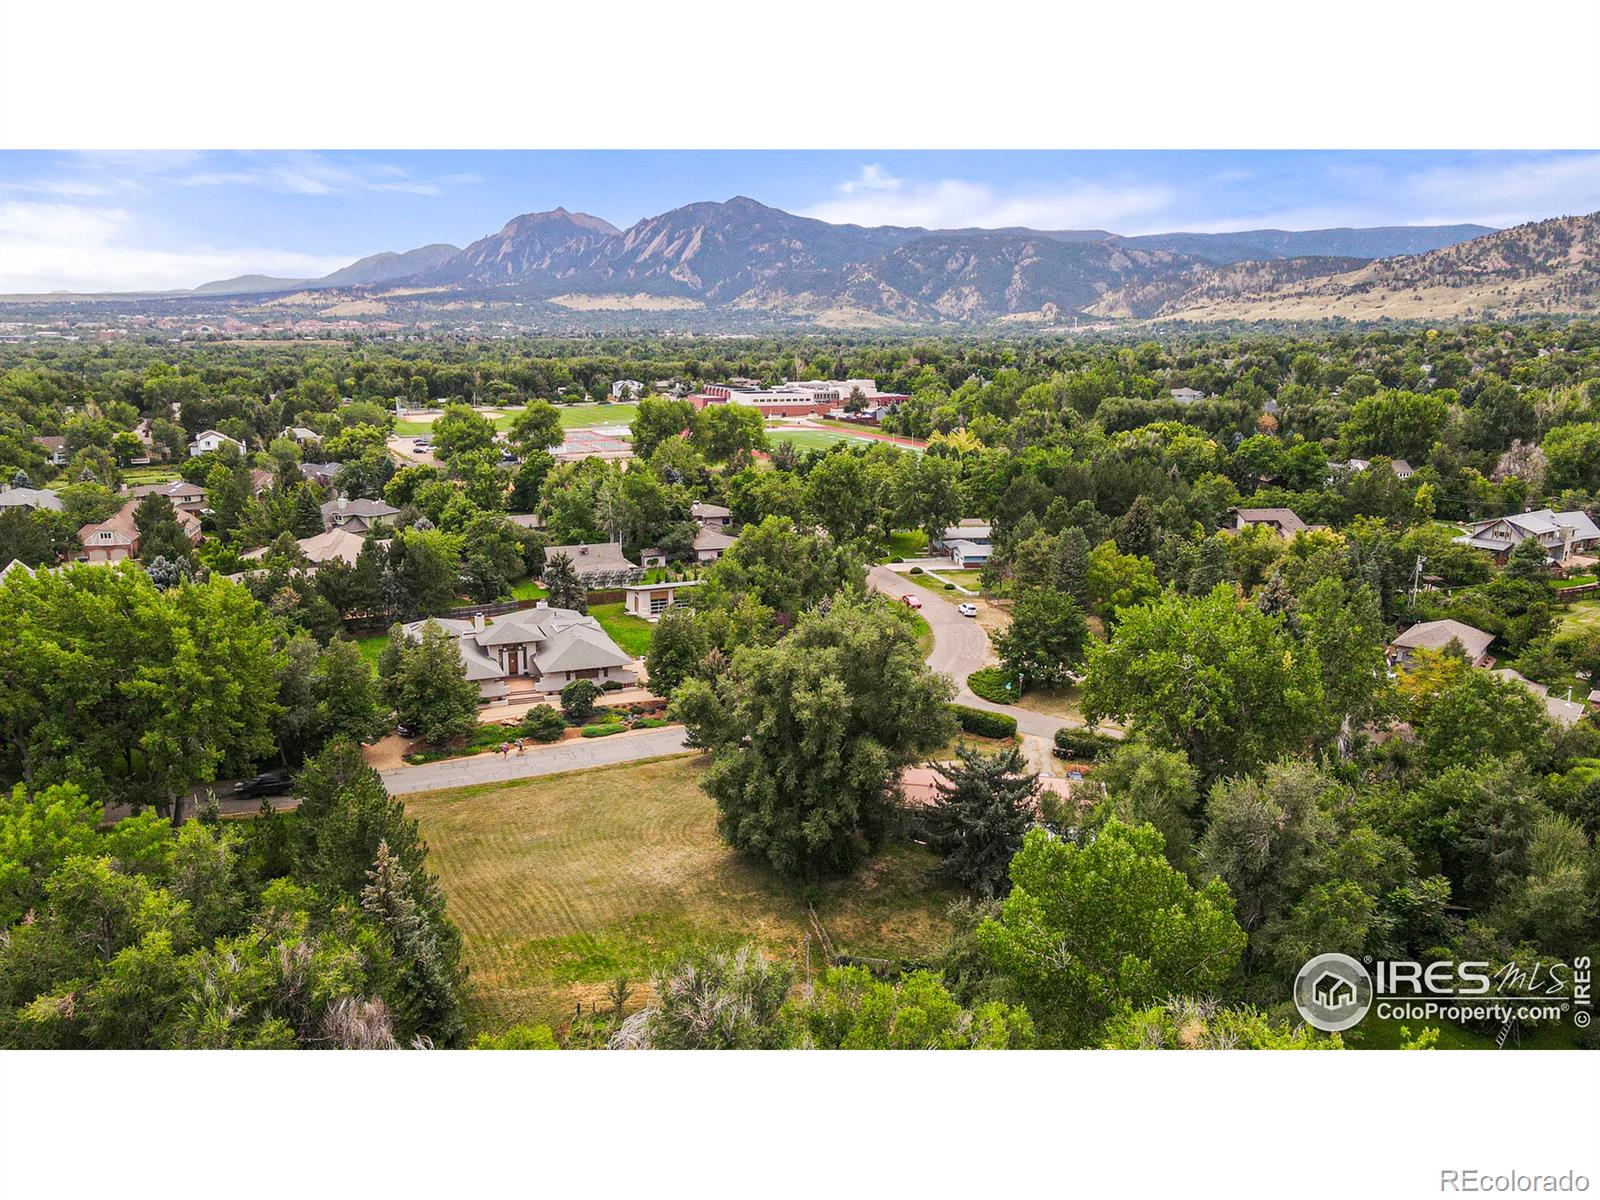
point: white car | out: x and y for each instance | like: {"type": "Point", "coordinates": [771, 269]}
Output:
{"type": "Point", "coordinates": [967, 610]}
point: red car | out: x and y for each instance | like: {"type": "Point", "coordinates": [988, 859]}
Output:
{"type": "Point", "coordinates": [911, 601]}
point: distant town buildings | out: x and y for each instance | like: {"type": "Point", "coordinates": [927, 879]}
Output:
{"type": "Point", "coordinates": [804, 398]}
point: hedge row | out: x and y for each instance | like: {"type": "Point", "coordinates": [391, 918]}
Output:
{"type": "Point", "coordinates": [1083, 744]}
{"type": "Point", "coordinates": [989, 683]}
{"type": "Point", "coordinates": [984, 723]}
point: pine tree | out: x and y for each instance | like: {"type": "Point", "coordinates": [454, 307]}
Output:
{"type": "Point", "coordinates": [562, 582]}
{"type": "Point", "coordinates": [160, 535]}
{"type": "Point", "coordinates": [1072, 564]}
{"type": "Point", "coordinates": [980, 817]}
{"type": "Point", "coordinates": [306, 520]}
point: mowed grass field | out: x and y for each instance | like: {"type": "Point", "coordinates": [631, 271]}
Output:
{"type": "Point", "coordinates": [561, 883]}
{"type": "Point", "coordinates": [1580, 616]}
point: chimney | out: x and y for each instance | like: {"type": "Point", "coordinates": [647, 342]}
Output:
{"type": "Point", "coordinates": [477, 622]}
{"type": "Point", "coordinates": [541, 604]}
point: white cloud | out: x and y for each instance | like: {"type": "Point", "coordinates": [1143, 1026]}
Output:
{"type": "Point", "coordinates": [1506, 193]}
{"type": "Point", "coordinates": [307, 174]}
{"type": "Point", "coordinates": [50, 247]}
{"type": "Point", "coordinates": [874, 197]}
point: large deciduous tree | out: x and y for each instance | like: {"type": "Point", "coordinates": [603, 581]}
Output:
{"type": "Point", "coordinates": [1090, 930]}
{"type": "Point", "coordinates": [1213, 676]}
{"type": "Point", "coordinates": [806, 736]}
{"type": "Point", "coordinates": [1046, 639]}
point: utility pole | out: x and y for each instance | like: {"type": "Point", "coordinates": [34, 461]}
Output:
{"type": "Point", "coordinates": [1416, 578]}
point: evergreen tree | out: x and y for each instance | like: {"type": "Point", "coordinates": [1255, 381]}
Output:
{"type": "Point", "coordinates": [562, 583]}
{"type": "Point", "coordinates": [306, 519]}
{"type": "Point", "coordinates": [160, 535]}
{"type": "Point", "coordinates": [432, 693]}
{"type": "Point", "coordinates": [984, 807]}
{"type": "Point", "coordinates": [1072, 564]}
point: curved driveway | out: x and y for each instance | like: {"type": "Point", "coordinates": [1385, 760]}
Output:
{"type": "Point", "coordinates": [960, 647]}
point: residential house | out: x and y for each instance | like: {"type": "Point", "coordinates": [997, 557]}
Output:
{"type": "Point", "coordinates": [55, 450]}
{"type": "Point", "coordinates": [968, 544]}
{"type": "Point", "coordinates": [153, 451]}
{"type": "Point", "coordinates": [599, 564]}
{"type": "Point", "coordinates": [341, 544]}
{"type": "Point", "coordinates": [17, 566]}
{"type": "Point", "coordinates": [261, 481]}
{"type": "Point", "coordinates": [29, 499]}
{"type": "Point", "coordinates": [1436, 635]}
{"type": "Point", "coordinates": [650, 600]}
{"type": "Point", "coordinates": [1282, 521]}
{"type": "Point", "coordinates": [711, 515]}
{"type": "Point", "coordinates": [710, 543]}
{"type": "Point", "coordinates": [1186, 395]}
{"type": "Point", "coordinates": [1354, 466]}
{"type": "Point", "coordinates": [321, 474]}
{"type": "Point", "coordinates": [1566, 713]}
{"type": "Point", "coordinates": [526, 520]}
{"type": "Point", "coordinates": [300, 435]}
{"type": "Point", "coordinates": [356, 516]}
{"type": "Point", "coordinates": [184, 496]}
{"type": "Point", "coordinates": [1562, 534]}
{"type": "Point", "coordinates": [627, 389]}
{"type": "Point", "coordinates": [117, 537]}
{"type": "Point", "coordinates": [211, 441]}
{"type": "Point", "coordinates": [534, 651]}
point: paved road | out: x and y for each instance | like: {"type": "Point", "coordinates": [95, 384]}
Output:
{"type": "Point", "coordinates": [572, 755]}
{"type": "Point", "coordinates": [960, 647]}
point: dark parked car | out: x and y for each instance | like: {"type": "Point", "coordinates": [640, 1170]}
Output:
{"type": "Point", "coordinates": [268, 783]}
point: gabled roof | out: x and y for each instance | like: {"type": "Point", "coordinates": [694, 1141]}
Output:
{"type": "Point", "coordinates": [1285, 518]}
{"type": "Point", "coordinates": [1436, 635]}
{"type": "Point", "coordinates": [580, 649]}
{"type": "Point", "coordinates": [338, 544]}
{"type": "Point", "coordinates": [1562, 712]}
{"type": "Point", "coordinates": [357, 508]}
{"type": "Point", "coordinates": [212, 433]}
{"type": "Point", "coordinates": [19, 497]}
{"type": "Point", "coordinates": [711, 538]}
{"type": "Point", "coordinates": [1542, 521]}
{"type": "Point", "coordinates": [593, 556]}
{"type": "Point", "coordinates": [702, 509]}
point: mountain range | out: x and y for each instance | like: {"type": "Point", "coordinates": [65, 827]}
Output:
{"type": "Point", "coordinates": [739, 262]}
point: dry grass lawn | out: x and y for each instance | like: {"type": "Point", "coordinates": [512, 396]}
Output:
{"type": "Point", "coordinates": [561, 883]}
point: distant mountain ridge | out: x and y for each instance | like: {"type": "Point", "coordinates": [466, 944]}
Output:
{"type": "Point", "coordinates": [1544, 267]}
{"type": "Point", "coordinates": [374, 269]}
{"type": "Point", "coordinates": [745, 259]}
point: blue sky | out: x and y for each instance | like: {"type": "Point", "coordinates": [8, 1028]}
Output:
{"type": "Point", "coordinates": [133, 220]}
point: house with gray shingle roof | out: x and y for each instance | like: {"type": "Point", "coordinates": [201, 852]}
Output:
{"type": "Point", "coordinates": [1285, 522]}
{"type": "Point", "coordinates": [539, 649]}
{"type": "Point", "coordinates": [356, 516]}
{"type": "Point", "coordinates": [1436, 635]}
{"type": "Point", "coordinates": [1562, 534]}
{"type": "Point", "coordinates": [598, 563]}
{"type": "Point", "coordinates": [29, 499]}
